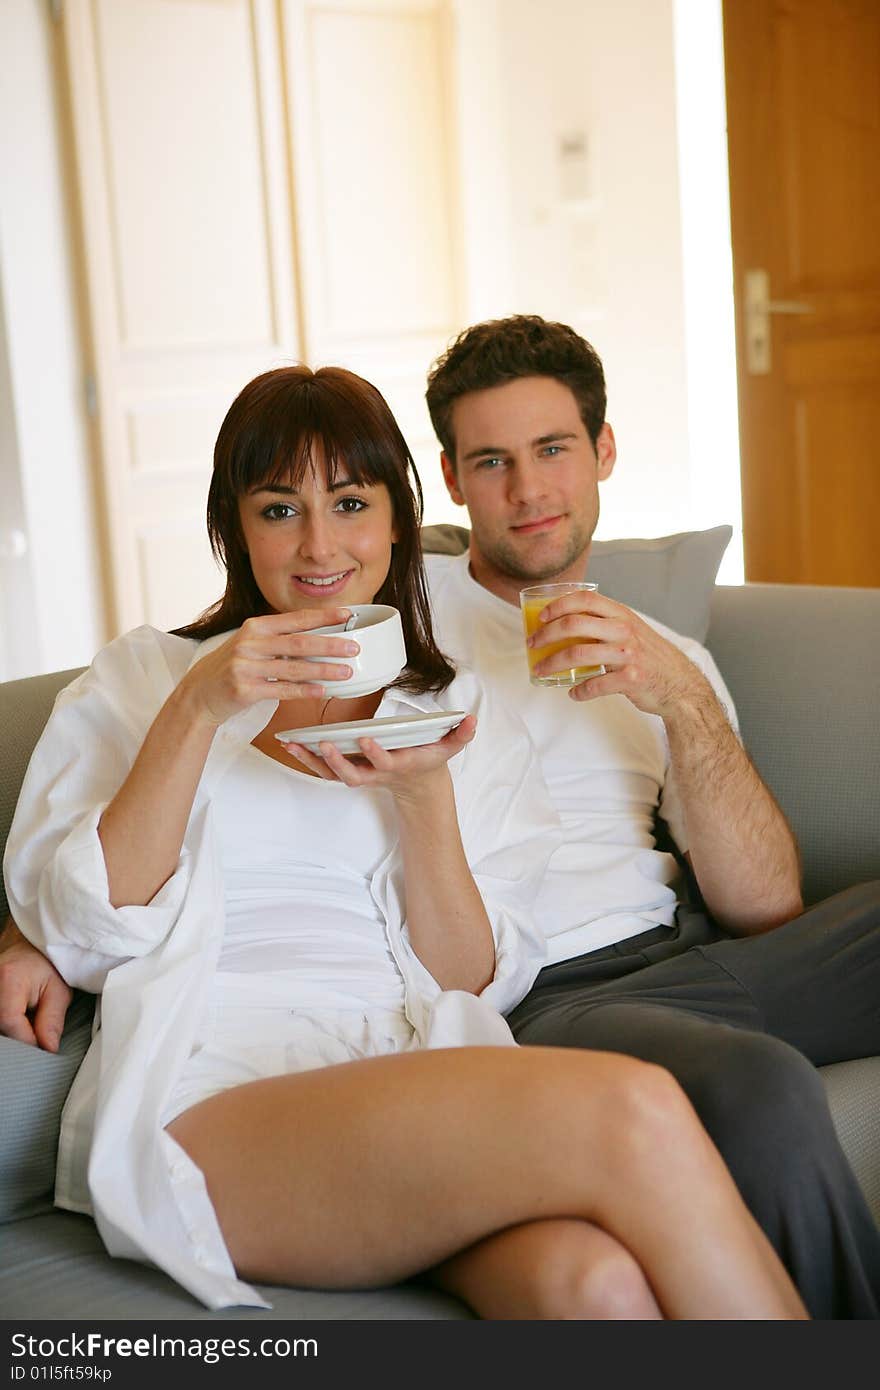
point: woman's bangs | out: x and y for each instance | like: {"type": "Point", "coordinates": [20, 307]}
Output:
{"type": "Point", "coordinates": [344, 451]}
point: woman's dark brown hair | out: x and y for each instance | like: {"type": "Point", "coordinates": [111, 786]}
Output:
{"type": "Point", "coordinates": [276, 426]}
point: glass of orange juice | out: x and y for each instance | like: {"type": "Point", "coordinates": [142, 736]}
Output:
{"type": "Point", "coordinates": [533, 599]}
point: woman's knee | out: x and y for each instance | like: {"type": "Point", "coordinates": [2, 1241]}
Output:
{"type": "Point", "coordinates": [629, 1107]}
{"type": "Point", "coordinates": [594, 1278]}
{"type": "Point", "coordinates": [645, 1100]}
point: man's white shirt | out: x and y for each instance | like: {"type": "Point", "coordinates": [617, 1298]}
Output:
{"type": "Point", "coordinates": [606, 765]}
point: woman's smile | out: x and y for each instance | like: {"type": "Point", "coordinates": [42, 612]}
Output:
{"type": "Point", "coordinates": [324, 585]}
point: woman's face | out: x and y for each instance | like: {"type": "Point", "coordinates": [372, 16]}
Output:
{"type": "Point", "coordinates": [318, 545]}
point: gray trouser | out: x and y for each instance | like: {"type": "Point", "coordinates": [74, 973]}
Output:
{"type": "Point", "coordinates": [742, 1023]}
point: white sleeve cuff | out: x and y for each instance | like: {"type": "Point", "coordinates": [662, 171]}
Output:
{"type": "Point", "coordinates": [74, 899]}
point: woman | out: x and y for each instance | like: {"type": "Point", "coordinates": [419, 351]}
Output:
{"type": "Point", "coordinates": [291, 950]}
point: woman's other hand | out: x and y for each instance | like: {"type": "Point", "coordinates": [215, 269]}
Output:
{"type": "Point", "coordinates": [407, 773]}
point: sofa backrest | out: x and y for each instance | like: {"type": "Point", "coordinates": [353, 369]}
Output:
{"type": "Point", "coordinates": [803, 665]}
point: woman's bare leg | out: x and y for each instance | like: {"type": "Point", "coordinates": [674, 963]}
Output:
{"type": "Point", "coordinates": [367, 1172]}
{"type": "Point", "coordinates": [549, 1269]}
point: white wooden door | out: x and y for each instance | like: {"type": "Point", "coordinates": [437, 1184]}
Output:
{"type": "Point", "coordinates": [184, 192]}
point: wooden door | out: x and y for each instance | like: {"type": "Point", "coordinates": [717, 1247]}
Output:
{"type": "Point", "coordinates": [803, 101]}
{"type": "Point", "coordinates": [183, 186]}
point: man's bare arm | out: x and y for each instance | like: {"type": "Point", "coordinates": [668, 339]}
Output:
{"type": "Point", "coordinates": [740, 846]}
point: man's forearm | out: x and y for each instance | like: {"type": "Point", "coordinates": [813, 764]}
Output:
{"type": "Point", "coordinates": [740, 846]}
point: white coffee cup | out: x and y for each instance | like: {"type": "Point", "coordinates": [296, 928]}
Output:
{"type": "Point", "coordinates": [378, 631]}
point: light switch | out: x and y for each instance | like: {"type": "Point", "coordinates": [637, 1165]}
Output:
{"type": "Point", "coordinates": [575, 166]}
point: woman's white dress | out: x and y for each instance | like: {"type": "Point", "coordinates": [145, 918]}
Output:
{"type": "Point", "coordinates": [279, 944]}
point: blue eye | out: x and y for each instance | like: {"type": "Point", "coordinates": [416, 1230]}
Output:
{"type": "Point", "coordinates": [493, 462]}
{"type": "Point", "coordinates": [552, 450]}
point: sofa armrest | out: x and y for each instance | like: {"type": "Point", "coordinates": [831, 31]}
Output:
{"type": "Point", "coordinates": [25, 705]}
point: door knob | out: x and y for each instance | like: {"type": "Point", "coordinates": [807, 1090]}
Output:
{"type": "Point", "coordinates": [758, 308]}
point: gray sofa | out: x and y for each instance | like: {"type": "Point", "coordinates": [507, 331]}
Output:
{"type": "Point", "coordinates": [803, 665]}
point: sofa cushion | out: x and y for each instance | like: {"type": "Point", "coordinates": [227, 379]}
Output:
{"type": "Point", "coordinates": [54, 1266]}
{"type": "Point", "coordinates": [671, 578]}
{"type": "Point", "coordinates": [34, 1086]}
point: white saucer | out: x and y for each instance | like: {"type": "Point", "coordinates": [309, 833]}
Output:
{"type": "Point", "coordinates": [405, 731]}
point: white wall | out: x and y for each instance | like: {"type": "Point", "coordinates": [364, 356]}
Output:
{"type": "Point", "coordinates": [581, 194]}
{"type": "Point", "coordinates": [707, 259]}
{"type": "Point", "coordinates": [50, 600]}
{"type": "Point", "coordinates": [597, 236]}
{"type": "Point", "coordinates": [19, 641]}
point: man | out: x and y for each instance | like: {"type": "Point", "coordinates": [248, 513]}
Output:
{"type": "Point", "coordinates": [742, 997]}
{"type": "Point", "coordinates": [738, 1012]}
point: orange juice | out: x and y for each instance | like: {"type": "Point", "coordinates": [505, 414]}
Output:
{"type": "Point", "coordinates": [532, 602]}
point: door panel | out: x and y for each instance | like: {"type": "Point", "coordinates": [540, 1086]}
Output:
{"type": "Point", "coordinates": [183, 186]}
{"type": "Point", "coordinates": [803, 97]}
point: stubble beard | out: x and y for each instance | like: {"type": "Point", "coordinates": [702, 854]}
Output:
{"type": "Point", "coordinates": [506, 559]}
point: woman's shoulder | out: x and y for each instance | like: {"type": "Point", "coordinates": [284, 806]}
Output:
{"type": "Point", "coordinates": [145, 657]}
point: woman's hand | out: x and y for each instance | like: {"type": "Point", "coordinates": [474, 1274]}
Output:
{"type": "Point", "coordinates": [266, 659]}
{"type": "Point", "coordinates": [408, 773]}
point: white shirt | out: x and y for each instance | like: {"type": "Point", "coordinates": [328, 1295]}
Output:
{"type": "Point", "coordinates": [606, 765]}
{"type": "Point", "coordinates": [298, 856]}
{"type": "Point", "coordinates": [155, 964]}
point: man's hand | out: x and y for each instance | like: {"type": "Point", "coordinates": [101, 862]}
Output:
{"type": "Point", "coordinates": [33, 997]}
{"type": "Point", "coordinates": [653, 673]}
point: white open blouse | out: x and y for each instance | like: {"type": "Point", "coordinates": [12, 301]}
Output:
{"type": "Point", "coordinates": [155, 966]}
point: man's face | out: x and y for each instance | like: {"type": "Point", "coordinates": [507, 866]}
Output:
{"type": "Point", "coordinates": [528, 474]}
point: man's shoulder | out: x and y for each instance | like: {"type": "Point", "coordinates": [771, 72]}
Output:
{"type": "Point", "coordinates": [445, 574]}
{"type": "Point", "coordinates": [438, 566]}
